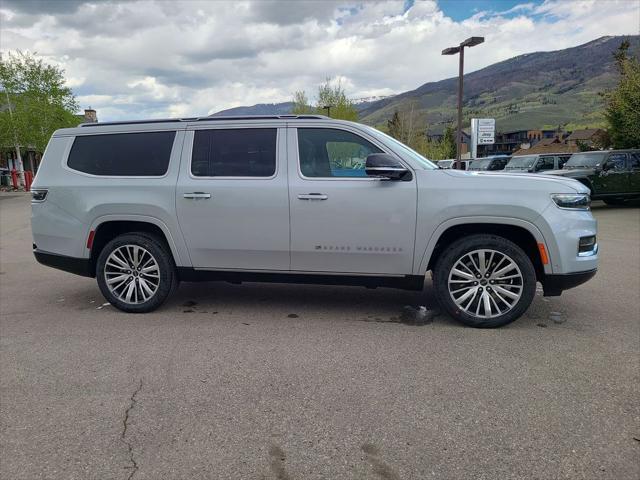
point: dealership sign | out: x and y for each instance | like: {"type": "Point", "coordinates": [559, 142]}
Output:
{"type": "Point", "coordinates": [483, 132]}
{"type": "Point", "coordinates": [486, 131]}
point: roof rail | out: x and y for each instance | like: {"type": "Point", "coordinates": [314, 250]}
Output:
{"type": "Point", "coordinates": [207, 119]}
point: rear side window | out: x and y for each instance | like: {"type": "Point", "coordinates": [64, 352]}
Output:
{"type": "Point", "coordinates": [143, 154]}
{"type": "Point", "coordinates": [242, 152]}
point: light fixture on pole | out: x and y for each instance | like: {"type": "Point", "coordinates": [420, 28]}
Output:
{"type": "Point", "coordinates": [469, 42]}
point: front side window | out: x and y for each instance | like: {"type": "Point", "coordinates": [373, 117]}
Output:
{"type": "Point", "coordinates": [241, 152]}
{"type": "Point", "coordinates": [545, 163]}
{"type": "Point", "coordinates": [326, 152]}
{"type": "Point", "coordinates": [144, 154]}
{"type": "Point", "coordinates": [635, 161]}
{"type": "Point", "coordinates": [616, 161]}
{"type": "Point", "coordinates": [562, 160]}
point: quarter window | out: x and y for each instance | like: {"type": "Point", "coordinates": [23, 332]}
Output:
{"type": "Point", "coordinates": [326, 152]}
{"type": "Point", "coordinates": [242, 152]}
{"type": "Point", "coordinates": [144, 154]}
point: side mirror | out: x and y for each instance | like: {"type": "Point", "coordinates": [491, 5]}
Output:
{"type": "Point", "coordinates": [383, 165]}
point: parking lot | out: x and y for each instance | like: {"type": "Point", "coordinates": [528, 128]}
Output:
{"type": "Point", "coordinates": [312, 382]}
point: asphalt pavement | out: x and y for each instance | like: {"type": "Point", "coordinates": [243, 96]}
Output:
{"type": "Point", "coordinates": [267, 381]}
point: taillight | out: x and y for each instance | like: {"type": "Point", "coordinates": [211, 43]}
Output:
{"type": "Point", "coordinates": [39, 195]}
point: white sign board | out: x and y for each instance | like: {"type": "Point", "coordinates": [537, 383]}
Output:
{"type": "Point", "coordinates": [483, 132]}
{"type": "Point", "coordinates": [486, 131]}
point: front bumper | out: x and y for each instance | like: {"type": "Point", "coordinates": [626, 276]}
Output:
{"type": "Point", "coordinates": [554, 285]}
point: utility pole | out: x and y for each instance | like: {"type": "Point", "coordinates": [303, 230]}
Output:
{"type": "Point", "coordinates": [469, 42]}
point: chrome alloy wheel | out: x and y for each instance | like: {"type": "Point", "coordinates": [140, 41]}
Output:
{"type": "Point", "coordinates": [132, 274]}
{"type": "Point", "coordinates": [485, 283]}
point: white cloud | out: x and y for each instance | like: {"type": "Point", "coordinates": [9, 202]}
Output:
{"type": "Point", "coordinates": [152, 58]}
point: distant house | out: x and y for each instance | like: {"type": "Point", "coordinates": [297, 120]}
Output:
{"type": "Point", "coordinates": [588, 137]}
{"type": "Point", "coordinates": [89, 116]}
{"type": "Point", "coordinates": [548, 145]}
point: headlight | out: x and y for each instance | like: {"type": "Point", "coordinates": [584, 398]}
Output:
{"type": "Point", "coordinates": [573, 201]}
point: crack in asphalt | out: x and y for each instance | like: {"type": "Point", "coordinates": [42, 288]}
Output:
{"type": "Point", "coordinates": [125, 425]}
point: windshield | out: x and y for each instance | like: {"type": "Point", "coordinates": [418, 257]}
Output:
{"type": "Point", "coordinates": [585, 160]}
{"type": "Point", "coordinates": [521, 163]}
{"type": "Point", "coordinates": [480, 164]}
{"type": "Point", "coordinates": [427, 164]}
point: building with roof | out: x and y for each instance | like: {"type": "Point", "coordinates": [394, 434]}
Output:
{"type": "Point", "coordinates": [588, 137]}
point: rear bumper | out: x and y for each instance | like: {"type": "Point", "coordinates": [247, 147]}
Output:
{"type": "Point", "coordinates": [79, 266]}
{"type": "Point", "coordinates": [554, 285]}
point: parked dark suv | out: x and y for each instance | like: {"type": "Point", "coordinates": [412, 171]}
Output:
{"type": "Point", "coordinates": [612, 176]}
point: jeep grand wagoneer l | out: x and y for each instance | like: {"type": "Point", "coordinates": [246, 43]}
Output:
{"type": "Point", "coordinates": [303, 199]}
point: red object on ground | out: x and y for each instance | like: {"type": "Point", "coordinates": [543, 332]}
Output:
{"type": "Point", "coordinates": [28, 179]}
{"type": "Point", "coordinates": [14, 178]}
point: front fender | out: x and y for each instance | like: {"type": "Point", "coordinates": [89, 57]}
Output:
{"type": "Point", "coordinates": [452, 222]}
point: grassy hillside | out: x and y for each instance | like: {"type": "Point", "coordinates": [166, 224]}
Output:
{"type": "Point", "coordinates": [536, 90]}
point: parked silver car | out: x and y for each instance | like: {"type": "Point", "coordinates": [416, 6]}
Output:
{"type": "Point", "coordinates": [301, 199]}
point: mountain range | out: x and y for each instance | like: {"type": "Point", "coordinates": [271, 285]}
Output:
{"type": "Point", "coordinates": [530, 91]}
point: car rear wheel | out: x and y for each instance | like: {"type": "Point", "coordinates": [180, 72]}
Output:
{"type": "Point", "coordinates": [135, 272]}
{"type": "Point", "coordinates": [484, 281]}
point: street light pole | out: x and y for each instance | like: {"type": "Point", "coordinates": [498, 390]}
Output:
{"type": "Point", "coordinates": [469, 42]}
{"type": "Point", "coordinates": [460, 96]}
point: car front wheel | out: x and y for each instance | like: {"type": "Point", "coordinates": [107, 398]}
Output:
{"type": "Point", "coordinates": [135, 272]}
{"type": "Point", "coordinates": [484, 281]}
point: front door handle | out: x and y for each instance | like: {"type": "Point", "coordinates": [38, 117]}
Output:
{"type": "Point", "coordinates": [197, 195]}
{"type": "Point", "coordinates": [312, 196]}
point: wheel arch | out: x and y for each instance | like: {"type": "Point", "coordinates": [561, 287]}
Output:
{"type": "Point", "coordinates": [106, 228]}
{"type": "Point", "coordinates": [524, 234]}
{"type": "Point", "coordinates": [586, 182]}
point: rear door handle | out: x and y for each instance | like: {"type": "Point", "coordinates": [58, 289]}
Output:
{"type": "Point", "coordinates": [312, 196]}
{"type": "Point", "coordinates": [197, 195]}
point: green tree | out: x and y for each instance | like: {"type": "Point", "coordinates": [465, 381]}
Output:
{"type": "Point", "coordinates": [623, 103]}
{"type": "Point", "coordinates": [301, 105]}
{"type": "Point", "coordinates": [394, 126]}
{"type": "Point", "coordinates": [34, 102]}
{"type": "Point", "coordinates": [335, 97]}
{"type": "Point", "coordinates": [332, 95]}
{"type": "Point", "coordinates": [449, 143]}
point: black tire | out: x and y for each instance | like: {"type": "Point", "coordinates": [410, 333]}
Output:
{"type": "Point", "coordinates": [161, 254]}
{"type": "Point", "coordinates": [459, 249]}
{"type": "Point", "coordinates": [615, 201]}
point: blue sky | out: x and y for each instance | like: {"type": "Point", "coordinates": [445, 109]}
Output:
{"type": "Point", "coordinates": [463, 9]}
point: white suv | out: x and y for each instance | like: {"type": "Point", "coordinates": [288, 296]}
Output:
{"type": "Point", "coordinates": [301, 199]}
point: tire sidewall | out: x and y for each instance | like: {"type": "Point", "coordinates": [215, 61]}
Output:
{"type": "Point", "coordinates": [476, 242]}
{"type": "Point", "coordinates": [162, 257]}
